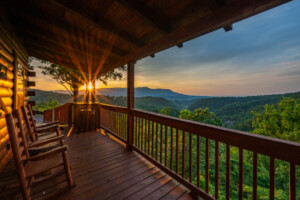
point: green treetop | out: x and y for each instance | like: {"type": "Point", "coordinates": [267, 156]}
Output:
{"type": "Point", "coordinates": [281, 120]}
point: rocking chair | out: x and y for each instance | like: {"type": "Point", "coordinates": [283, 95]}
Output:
{"type": "Point", "coordinates": [29, 167]}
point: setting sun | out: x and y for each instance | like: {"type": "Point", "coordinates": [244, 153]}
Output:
{"type": "Point", "coordinates": [90, 87]}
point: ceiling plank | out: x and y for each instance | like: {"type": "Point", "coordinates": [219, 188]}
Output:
{"type": "Point", "coordinates": [60, 45]}
{"type": "Point", "coordinates": [97, 21]}
{"type": "Point", "coordinates": [146, 15]}
{"type": "Point", "coordinates": [63, 56]}
{"type": "Point", "coordinates": [65, 62]}
{"type": "Point", "coordinates": [61, 31]}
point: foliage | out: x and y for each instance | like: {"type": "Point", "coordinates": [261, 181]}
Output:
{"type": "Point", "coordinates": [42, 106]}
{"type": "Point", "coordinates": [169, 111]}
{"type": "Point", "coordinates": [201, 115]}
{"type": "Point", "coordinates": [235, 112]}
{"type": "Point", "coordinates": [281, 120]}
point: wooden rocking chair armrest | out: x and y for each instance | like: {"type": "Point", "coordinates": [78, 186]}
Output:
{"type": "Point", "coordinates": [48, 153]}
{"type": "Point", "coordinates": [43, 142]}
{"type": "Point", "coordinates": [48, 124]}
{"type": "Point", "coordinates": [47, 129]}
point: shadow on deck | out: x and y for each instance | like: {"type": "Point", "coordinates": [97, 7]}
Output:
{"type": "Point", "coordinates": [102, 169]}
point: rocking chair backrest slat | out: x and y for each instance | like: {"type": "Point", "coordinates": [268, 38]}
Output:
{"type": "Point", "coordinates": [19, 147]}
{"type": "Point", "coordinates": [20, 134]}
{"type": "Point", "coordinates": [29, 123]}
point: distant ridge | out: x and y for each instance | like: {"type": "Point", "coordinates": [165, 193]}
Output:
{"type": "Point", "coordinates": [142, 92]}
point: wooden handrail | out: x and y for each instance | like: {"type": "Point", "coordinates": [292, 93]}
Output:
{"type": "Point", "coordinates": [113, 108]}
{"type": "Point", "coordinates": [51, 114]}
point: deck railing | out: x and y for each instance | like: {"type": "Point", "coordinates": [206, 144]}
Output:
{"type": "Point", "coordinates": [201, 156]}
{"type": "Point", "coordinates": [62, 113]}
{"type": "Point", "coordinates": [113, 119]}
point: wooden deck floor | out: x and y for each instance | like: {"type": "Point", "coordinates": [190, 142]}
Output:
{"type": "Point", "coordinates": [104, 169]}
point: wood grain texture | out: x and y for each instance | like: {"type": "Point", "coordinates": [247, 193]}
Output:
{"type": "Point", "coordinates": [103, 169]}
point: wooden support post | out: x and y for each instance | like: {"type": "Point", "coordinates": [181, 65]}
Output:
{"type": "Point", "coordinates": [15, 87]}
{"type": "Point", "coordinates": [93, 91]}
{"type": "Point", "coordinates": [130, 103]}
{"type": "Point", "coordinates": [75, 88]}
{"type": "Point", "coordinates": [87, 93]}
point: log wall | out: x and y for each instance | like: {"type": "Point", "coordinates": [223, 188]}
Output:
{"type": "Point", "coordinates": [12, 56]}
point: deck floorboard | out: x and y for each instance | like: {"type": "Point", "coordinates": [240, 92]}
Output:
{"type": "Point", "coordinates": [102, 169]}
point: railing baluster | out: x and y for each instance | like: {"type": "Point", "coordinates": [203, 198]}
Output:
{"type": "Point", "coordinates": [111, 121]}
{"type": "Point", "coordinates": [123, 126]}
{"type": "Point", "coordinates": [166, 146]}
{"type": "Point", "coordinates": [116, 123]}
{"type": "Point", "coordinates": [183, 154]}
{"type": "Point", "coordinates": [198, 160]}
{"type": "Point", "coordinates": [134, 130]}
{"type": "Point", "coordinates": [137, 132]}
{"type": "Point", "coordinates": [190, 158]}
{"type": "Point", "coordinates": [140, 125]}
{"type": "Point", "coordinates": [272, 178]}
{"type": "Point", "coordinates": [241, 157]}
{"type": "Point", "coordinates": [254, 176]}
{"type": "Point", "coordinates": [171, 158]}
{"type": "Point", "coordinates": [123, 132]}
{"type": "Point", "coordinates": [292, 177]}
{"type": "Point", "coordinates": [156, 144]}
{"type": "Point", "coordinates": [177, 151]}
{"type": "Point", "coordinates": [119, 123]}
{"type": "Point", "coordinates": [227, 171]}
{"type": "Point", "coordinates": [207, 165]}
{"type": "Point", "coordinates": [148, 137]}
{"type": "Point", "coordinates": [152, 154]}
{"type": "Point", "coordinates": [120, 119]}
{"type": "Point", "coordinates": [217, 170]}
{"type": "Point", "coordinates": [143, 135]}
{"type": "Point", "coordinates": [161, 142]}
{"type": "Point", "coordinates": [118, 116]}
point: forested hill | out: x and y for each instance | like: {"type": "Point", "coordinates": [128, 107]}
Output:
{"type": "Point", "coordinates": [43, 96]}
{"type": "Point", "coordinates": [153, 104]}
{"type": "Point", "coordinates": [235, 112]}
{"type": "Point", "coordinates": [141, 92]}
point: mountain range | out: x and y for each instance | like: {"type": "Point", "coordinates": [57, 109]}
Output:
{"type": "Point", "coordinates": [140, 92]}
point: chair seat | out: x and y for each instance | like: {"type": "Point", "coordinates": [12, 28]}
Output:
{"type": "Point", "coordinates": [47, 135]}
{"type": "Point", "coordinates": [44, 148]}
{"type": "Point", "coordinates": [34, 168]}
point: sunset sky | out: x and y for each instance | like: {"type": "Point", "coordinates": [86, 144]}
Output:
{"type": "Point", "coordinates": [261, 55]}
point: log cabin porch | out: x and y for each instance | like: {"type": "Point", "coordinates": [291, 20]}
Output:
{"type": "Point", "coordinates": [152, 156]}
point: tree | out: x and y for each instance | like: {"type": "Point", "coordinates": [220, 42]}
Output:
{"type": "Point", "coordinates": [201, 115]}
{"type": "Point", "coordinates": [281, 120]}
{"type": "Point", "coordinates": [42, 106]}
{"type": "Point", "coordinates": [169, 111]}
{"type": "Point", "coordinates": [72, 79]}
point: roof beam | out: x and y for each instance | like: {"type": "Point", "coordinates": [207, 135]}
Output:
{"type": "Point", "coordinates": [215, 4]}
{"type": "Point", "coordinates": [97, 21]}
{"type": "Point", "coordinates": [145, 14]}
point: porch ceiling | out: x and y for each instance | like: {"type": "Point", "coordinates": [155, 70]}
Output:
{"type": "Point", "coordinates": [102, 35]}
